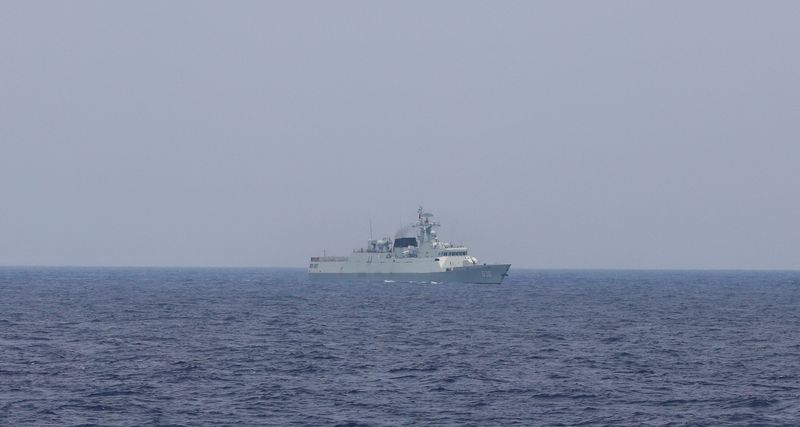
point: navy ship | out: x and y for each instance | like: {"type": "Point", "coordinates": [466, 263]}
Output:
{"type": "Point", "coordinates": [415, 254]}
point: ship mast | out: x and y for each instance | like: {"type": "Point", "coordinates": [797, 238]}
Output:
{"type": "Point", "coordinates": [425, 225]}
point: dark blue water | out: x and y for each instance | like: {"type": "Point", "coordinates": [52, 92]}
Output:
{"type": "Point", "coordinates": [267, 347]}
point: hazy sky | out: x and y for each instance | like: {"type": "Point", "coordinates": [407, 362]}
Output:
{"type": "Point", "coordinates": [545, 134]}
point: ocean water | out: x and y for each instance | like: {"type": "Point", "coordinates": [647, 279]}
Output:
{"type": "Point", "coordinates": [82, 346]}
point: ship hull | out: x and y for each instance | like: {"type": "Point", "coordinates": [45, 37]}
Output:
{"type": "Point", "coordinates": [483, 274]}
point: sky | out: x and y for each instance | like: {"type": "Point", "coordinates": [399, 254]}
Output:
{"type": "Point", "coordinates": [546, 134]}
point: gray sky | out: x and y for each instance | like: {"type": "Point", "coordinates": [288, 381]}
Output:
{"type": "Point", "coordinates": [546, 134]}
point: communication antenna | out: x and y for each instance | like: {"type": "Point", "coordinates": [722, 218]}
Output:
{"type": "Point", "coordinates": [370, 229]}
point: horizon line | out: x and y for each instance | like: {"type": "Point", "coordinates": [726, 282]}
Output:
{"type": "Point", "coordinates": [143, 266]}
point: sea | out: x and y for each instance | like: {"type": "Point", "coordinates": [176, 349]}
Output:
{"type": "Point", "coordinates": [228, 346]}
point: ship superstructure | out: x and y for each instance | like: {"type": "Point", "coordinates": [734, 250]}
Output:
{"type": "Point", "coordinates": [415, 254]}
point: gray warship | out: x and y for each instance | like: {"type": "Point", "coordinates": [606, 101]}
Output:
{"type": "Point", "coordinates": [419, 257]}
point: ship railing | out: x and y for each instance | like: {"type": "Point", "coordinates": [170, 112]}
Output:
{"type": "Point", "coordinates": [328, 258]}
